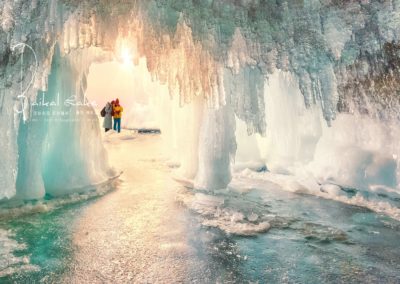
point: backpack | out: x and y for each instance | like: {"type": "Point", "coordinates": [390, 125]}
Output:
{"type": "Point", "coordinates": [103, 112]}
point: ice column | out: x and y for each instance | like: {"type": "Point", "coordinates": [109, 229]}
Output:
{"type": "Point", "coordinates": [216, 148]}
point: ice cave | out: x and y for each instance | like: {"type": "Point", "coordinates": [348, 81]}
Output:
{"type": "Point", "coordinates": [276, 157]}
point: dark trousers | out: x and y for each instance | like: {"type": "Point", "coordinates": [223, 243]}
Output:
{"type": "Point", "coordinates": [117, 124]}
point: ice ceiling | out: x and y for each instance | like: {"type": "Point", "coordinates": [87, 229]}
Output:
{"type": "Point", "coordinates": [345, 56]}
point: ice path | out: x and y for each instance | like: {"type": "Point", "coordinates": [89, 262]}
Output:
{"type": "Point", "coordinates": [137, 233]}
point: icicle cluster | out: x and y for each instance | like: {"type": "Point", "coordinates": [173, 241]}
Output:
{"type": "Point", "coordinates": [224, 50]}
{"type": "Point", "coordinates": [195, 46]}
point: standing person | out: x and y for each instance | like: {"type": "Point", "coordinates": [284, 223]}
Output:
{"type": "Point", "coordinates": [118, 109]}
{"type": "Point", "coordinates": [107, 111]}
{"type": "Point", "coordinates": [112, 105]}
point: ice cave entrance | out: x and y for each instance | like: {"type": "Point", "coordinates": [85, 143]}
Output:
{"type": "Point", "coordinates": [149, 107]}
{"type": "Point", "coordinates": [132, 85]}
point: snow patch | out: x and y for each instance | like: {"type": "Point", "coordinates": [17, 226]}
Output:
{"type": "Point", "coordinates": [9, 262]}
{"type": "Point", "coordinates": [215, 212]}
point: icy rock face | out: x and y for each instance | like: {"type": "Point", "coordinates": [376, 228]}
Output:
{"type": "Point", "coordinates": [343, 54]}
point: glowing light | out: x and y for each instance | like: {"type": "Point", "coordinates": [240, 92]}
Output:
{"type": "Point", "coordinates": [125, 52]}
{"type": "Point", "coordinates": [126, 56]}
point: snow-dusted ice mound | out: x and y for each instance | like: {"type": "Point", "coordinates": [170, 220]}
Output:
{"type": "Point", "coordinates": [219, 211]}
{"type": "Point", "coordinates": [380, 199]}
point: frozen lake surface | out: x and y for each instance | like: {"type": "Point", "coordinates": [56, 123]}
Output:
{"type": "Point", "coordinates": [153, 229]}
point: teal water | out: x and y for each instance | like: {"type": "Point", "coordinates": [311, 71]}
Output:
{"type": "Point", "coordinates": [47, 238]}
{"type": "Point", "coordinates": [312, 240]}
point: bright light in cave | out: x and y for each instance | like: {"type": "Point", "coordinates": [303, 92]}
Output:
{"type": "Point", "coordinates": [126, 56]}
{"type": "Point", "coordinates": [125, 52]}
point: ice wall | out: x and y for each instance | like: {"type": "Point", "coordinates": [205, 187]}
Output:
{"type": "Point", "coordinates": [22, 73]}
{"type": "Point", "coordinates": [60, 150]}
{"type": "Point", "coordinates": [343, 56]}
{"type": "Point", "coordinates": [356, 151]}
{"type": "Point", "coordinates": [46, 147]}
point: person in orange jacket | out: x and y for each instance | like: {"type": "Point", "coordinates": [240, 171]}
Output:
{"type": "Point", "coordinates": [117, 110]}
